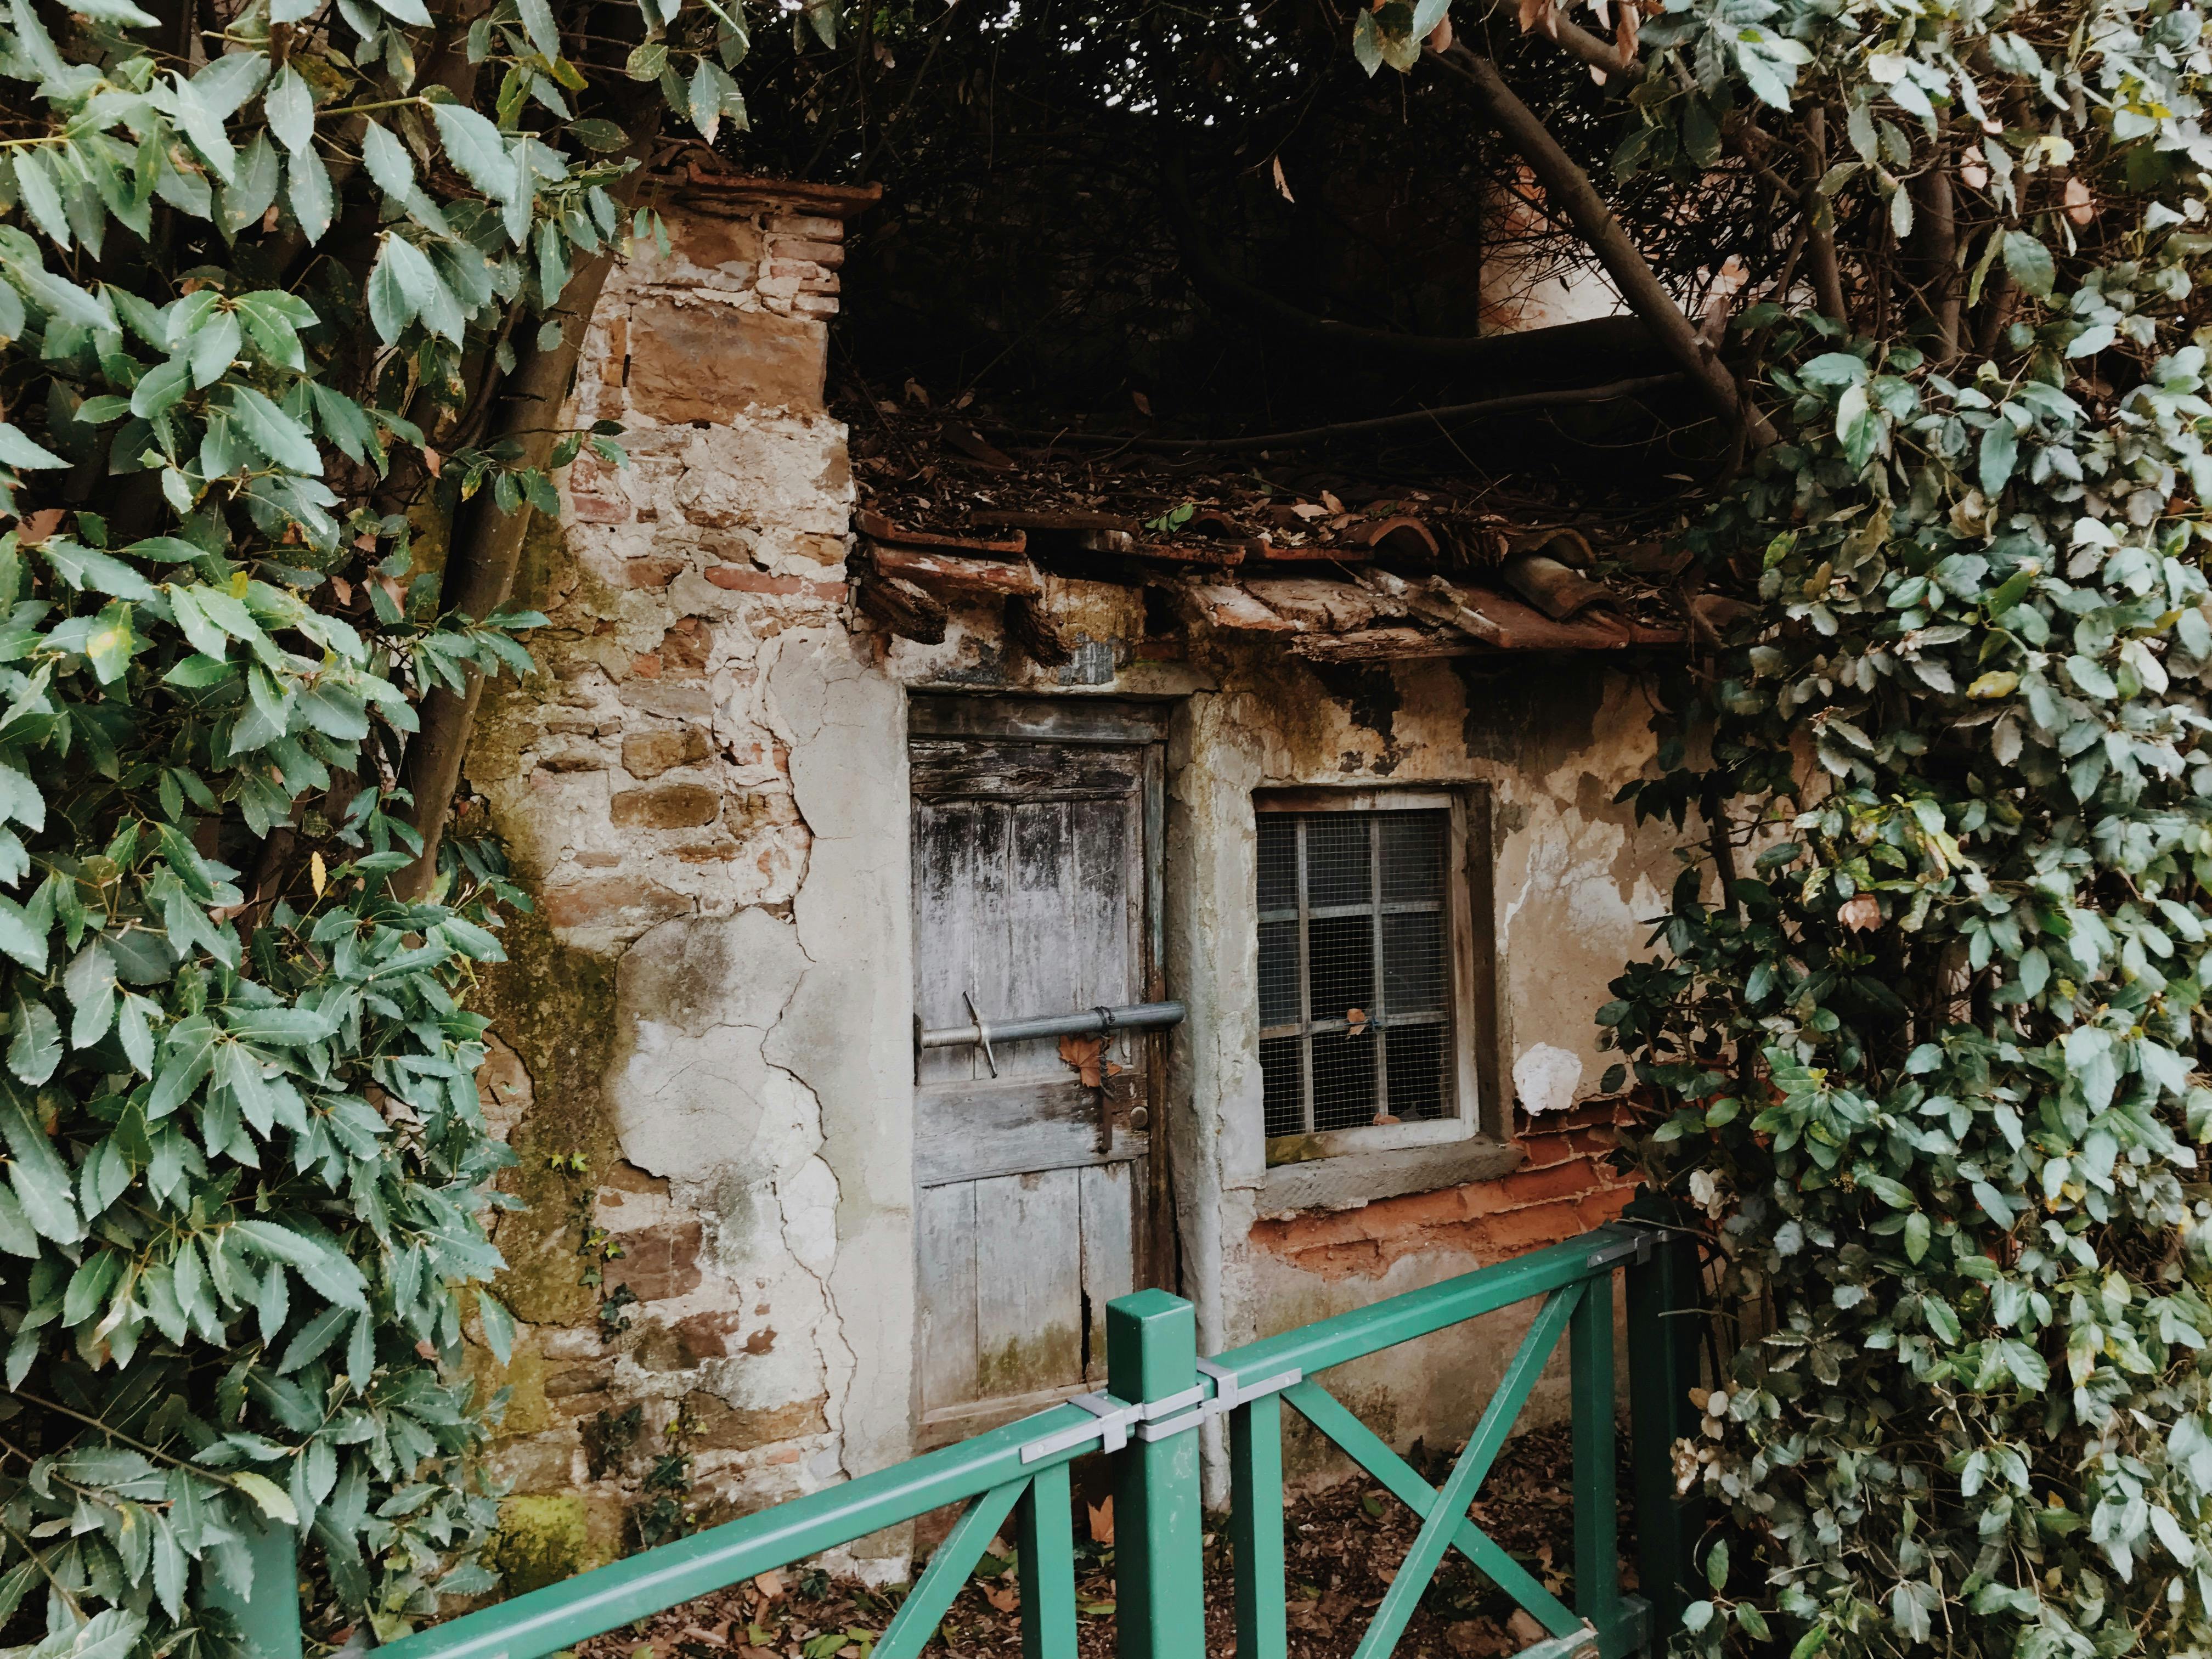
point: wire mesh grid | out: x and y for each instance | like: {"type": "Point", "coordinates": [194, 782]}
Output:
{"type": "Point", "coordinates": [1355, 1004]}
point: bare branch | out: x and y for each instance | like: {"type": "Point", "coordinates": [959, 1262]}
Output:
{"type": "Point", "coordinates": [1567, 188]}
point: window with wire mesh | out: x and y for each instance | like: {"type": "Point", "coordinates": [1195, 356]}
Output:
{"type": "Point", "coordinates": [1355, 993]}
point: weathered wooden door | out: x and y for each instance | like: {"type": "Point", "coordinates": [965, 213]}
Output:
{"type": "Point", "coordinates": [1036, 837]}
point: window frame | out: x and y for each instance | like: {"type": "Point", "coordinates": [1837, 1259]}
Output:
{"type": "Point", "coordinates": [1471, 972]}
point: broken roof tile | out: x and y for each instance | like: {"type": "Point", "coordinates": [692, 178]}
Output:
{"type": "Point", "coordinates": [1556, 590]}
{"type": "Point", "coordinates": [878, 528]}
{"type": "Point", "coordinates": [943, 573]}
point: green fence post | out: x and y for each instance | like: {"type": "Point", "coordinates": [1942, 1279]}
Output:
{"type": "Point", "coordinates": [1597, 1562]}
{"type": "Point", "coordinates": [268, 1618]}
{"type": "Point", "coordinates": [1256, 1527]}
{"type": "Point", "coordinates": [1046, 1550]}
{"type": "Point", "coordinates": [1665, 1299]}
{"type": "Point", "coordinates": [1151, 1356]}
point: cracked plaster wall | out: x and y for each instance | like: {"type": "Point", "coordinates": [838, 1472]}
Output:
{"type": "Point", "coordinates": [1573, 878]}
{"type": "Point", "coordinates": [698, 1032]}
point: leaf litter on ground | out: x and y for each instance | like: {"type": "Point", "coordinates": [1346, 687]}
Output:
{"type": "Point", "coordinates": [1342, 1546]}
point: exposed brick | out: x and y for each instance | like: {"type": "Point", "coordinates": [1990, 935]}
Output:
{"type": "Point", "coordinates": [648, 754]}
{"type": "Point", "coordinates": [573, 760]}
{"type": "Point", "coordinates": [667, 806]}
{"type": "Point", "coordinates": [806, 224]}
{"type": "Point", "coordinates": [1413, 1211]}
{"type": "Point", "coordinates": [714, 243]}
{"type": "Point", "coordinates": [1598, 1208]}
{"type": "Point", "coordinates": [579, 1379]}
{"type": "Point", "coordinates": [685, 647]}
{"type": "Point", "coordinates": [1516, 1232]}
{"type": "Point", "coordinates": [816, 305]}
{"type": "Point", "coordinates": [739, 579]}
{"type": "Point", "coordinates": [593, 509]}
{"type": "Point", "coordinates": [651, 572]}
{"type": "Point", "coordinates": [707, 1336]}
{"type": "Point", "coordinates": [831, 254]}
{"type": "Point", "coordinates": [1548, 1149]}
{"type": "Point", "coordinates": [709, 363]}
{"type": "Point", "coordinates": [622, 902]}
{"type": "Point", "coordinates": [706, 852]}
{"type": "Point", "coordinates": [645, 665]}
{"type": "Point", "coordinates": [801, 270]}
{"type": "Point", "coordinates": [659, 1262]}
{"type": "Point", "coordinates": [1556, 1180]}
{"type": "Point", "coordinates": [718, 1426]}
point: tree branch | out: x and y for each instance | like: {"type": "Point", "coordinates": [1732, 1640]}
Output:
{"type": "Point", "coordinates": [1568, 191]}
{"type": "Point", "coordinates": [1577, 41]}
{"type": "Point", "coordinates": [486, 549]}
{"type": "Point", "coordinates": [1938, 238]}
{"type": "Point", "coordinates": [1507, 405]}
{"type": "Point", "coordinates": [1827, 271]}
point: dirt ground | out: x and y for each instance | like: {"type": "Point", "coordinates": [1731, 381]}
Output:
{"type": "Point", "coordinates": [1342, 1546]}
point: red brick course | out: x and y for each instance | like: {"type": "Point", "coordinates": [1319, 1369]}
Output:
{"type": "Point", "coordinates": [1567, 1186]}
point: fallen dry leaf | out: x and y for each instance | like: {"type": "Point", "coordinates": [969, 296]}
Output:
{"type": "Point", "coordinates": [1524, 1629]}
{"type": "Point", "coordinates": [1861, 913]}
{"type": "Point", "coordinates": [1102, 1520]}
{"type": "Point", "coordinates": [40, 525]}
{"type": "Point", "coordinates": [1082, 1052]}
{"type": "Point", "coordinates": [1283, 185]}
{"type": "Point", "coordinates": [770, 1584]}
{"type": "Point", "coordinates": [1005, 1598]}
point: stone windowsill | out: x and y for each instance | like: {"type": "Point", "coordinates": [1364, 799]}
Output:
{"type": "Point", "coordinates": [1351, 1179]}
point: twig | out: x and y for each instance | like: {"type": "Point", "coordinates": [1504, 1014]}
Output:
{"type": "Point", "coordinates": [1595, 394]}
{"type": "Point", "coordinates": [139, 1446]}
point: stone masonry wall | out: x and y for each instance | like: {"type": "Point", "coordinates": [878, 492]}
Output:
{"type": "Point", "coordinates": [688, 1050]}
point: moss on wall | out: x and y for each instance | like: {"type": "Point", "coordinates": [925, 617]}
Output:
{"type": "Point", "coordinates": [542, 1540]}
{"type": "Point", "coordinates": [555, 1007]}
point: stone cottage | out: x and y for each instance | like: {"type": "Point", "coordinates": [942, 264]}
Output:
{"type": "Point", "coordinates": [803, 776]}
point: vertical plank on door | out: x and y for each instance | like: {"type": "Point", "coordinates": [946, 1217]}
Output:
{"type": "Point", "coordinates": [946, 1225]}
{"type": "Point", "coordinates": [1039, 973]}
{"type": "Point", "coordinates": [1109, 1247]}
{"type": "Point", "coordinates": [1029, 1293]}
{"type": "Point", "coordinates": [1098, 919]}
{"type": "Point", "coordinates": [948, 836]}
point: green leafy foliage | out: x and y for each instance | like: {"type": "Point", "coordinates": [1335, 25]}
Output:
{"type": "Point", "coordinates": [262, 280]}
{"type": "Point", "coordinates": [1926, 1048]}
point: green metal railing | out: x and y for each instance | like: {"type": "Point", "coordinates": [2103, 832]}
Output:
{"type": "Point", "coordinates": [1159, 1393]}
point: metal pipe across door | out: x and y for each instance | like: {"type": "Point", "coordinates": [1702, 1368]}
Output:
{"type": "Point", "coordinates": [1139, 1016]}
